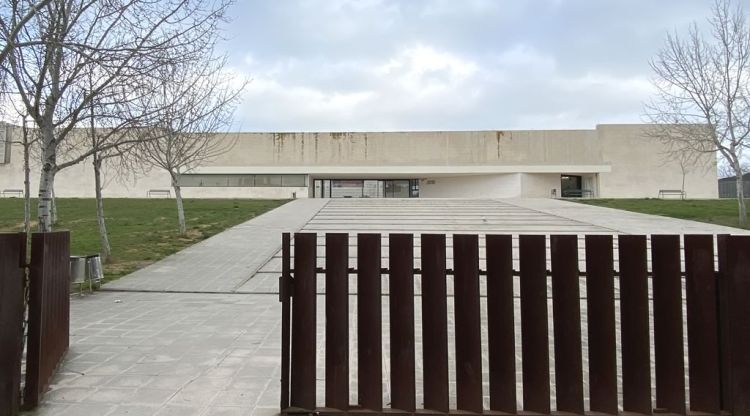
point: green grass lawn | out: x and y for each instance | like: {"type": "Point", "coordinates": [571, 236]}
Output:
{"type": "Point", "coordinates": [714, 211]}
{"type": "Point", "coordinates": [141, 231]}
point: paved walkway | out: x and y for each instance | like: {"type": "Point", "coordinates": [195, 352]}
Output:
{"type": "Point", "coordinates": [148, 345]}
{"type": "Point", "coordinates": [226, 261]}
{"type": "Point", "coordinates": [624, 222]}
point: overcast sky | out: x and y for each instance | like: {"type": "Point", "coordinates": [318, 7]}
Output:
{"type": "Point", "coordinates": [353, 65]}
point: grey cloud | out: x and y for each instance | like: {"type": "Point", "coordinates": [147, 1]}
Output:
{"type": "Point", "coordinates": [443, 64]}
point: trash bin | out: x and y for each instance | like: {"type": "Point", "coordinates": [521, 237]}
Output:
{"type": "Point", "coordinates": [94, 269]}
{"type": "Point", "coordinates": [78, 271]}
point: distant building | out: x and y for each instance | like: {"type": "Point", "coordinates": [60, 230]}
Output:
{"type": "Point", "coordinates": [610, 161]}
{"type": "Point", "coordinates": [728, 186]}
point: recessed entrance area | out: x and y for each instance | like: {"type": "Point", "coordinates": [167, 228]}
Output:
{"type": "Point", "coordinates": [571, 186]}
{"type": "Point", "coordinates": [366, 188]}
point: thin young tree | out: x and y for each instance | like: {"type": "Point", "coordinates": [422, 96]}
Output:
{"type": "Point", "coordinates": [196, 103]}
{"type": "Point", "coordinates": [71, 53]}
{"type": "Point", "coordinates": [27, 141]}
{"type": "Point", "coordinates": [702, 103]}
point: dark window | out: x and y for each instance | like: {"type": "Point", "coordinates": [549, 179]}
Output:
{"type": "Point", "coordinates": [244, 181]}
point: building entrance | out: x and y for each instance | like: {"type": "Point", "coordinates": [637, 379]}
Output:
{"type": "Point", "coordinates": [366, 188]}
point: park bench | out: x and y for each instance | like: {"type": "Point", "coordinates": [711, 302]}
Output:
{"type": "Point", "coordinates": [577, 193]}
{"type": "Point", "coordinates": [159, 192]}
{"type": "Point", "coordinates": [665, 192]}
{"type": "Point", "coordinates": [7, 193]}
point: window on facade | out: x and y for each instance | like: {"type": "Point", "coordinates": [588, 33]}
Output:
{"type": "Point", "coordinates": [245, 181]}
{"type": "Point", "coordinates": [293, 180]}
{"type": "Point", "coordinates": [268, 180]}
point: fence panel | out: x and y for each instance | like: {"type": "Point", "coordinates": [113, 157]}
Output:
{"type": "Point", "coordinates": [634, 330]}
{"type": "Point", "coordinates": [12, 270]}
{"type": "Point", "coordinates": [401, 258]}
{"type": "Point", "coordinates": [702, 324]}
{"type": "Point", "coordinates": [369, 322]}
{"type": "Point", "coordinates": [534, 336]}
{"type": "Point", "coordinates": [500, 326]}
{"type": "Point", "coordinates": [669, 361]}
{"type": "Point", "coordinates": [566, 310]}
{"type": "Point", "coordinates": [738, 265]}
{"type": "Point", "coordinates": [600, 300]}
{"type": "Point", "coordinates": [716, 305]}
{"type": "Point", "coordinates": [468, 325]}
{"type": "Point", "coordinates": [725, 353]}
{"type": "Point", "coordinates": [302, 383]}
{"type": "Point", "coordinates": [337, 321]}
{"type": "Point", "coordinates": [49, 311]}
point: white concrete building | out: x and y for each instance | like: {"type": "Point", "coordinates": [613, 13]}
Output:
{"type": "Point", "coordinates": [610, 161]}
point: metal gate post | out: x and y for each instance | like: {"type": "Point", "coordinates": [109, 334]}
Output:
{"type": "Point", "coordinates": [285, 297]}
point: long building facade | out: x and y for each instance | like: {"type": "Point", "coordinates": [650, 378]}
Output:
{"type": "Point", "coordinates": [609, 161]}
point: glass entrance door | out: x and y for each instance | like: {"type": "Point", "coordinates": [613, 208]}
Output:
{"type": "Point", "coordinates": [366, 188]}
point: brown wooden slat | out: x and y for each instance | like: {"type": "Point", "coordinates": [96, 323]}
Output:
{"type": "Point", "coordinates": [601, 324]}
{"type": "Point", "coordinates": [534, 337]}
{"type": "Point", "coordinates": [667, 304]}
{"type": "Point", "coordinates": [369, 322]}
{"type": "Point", "coordinates": [302, 386]}
{"type": "Point", "coordinates": [468, 327]}
{"type": "Point", "coordinates": [285, 288]}
{"type": "Point", "coordinates": [337, 321]}
{"type": "Point", "coordinates": [35, 334]}
{"type": "Point", "coordinates": [500, 323]}
{"type": "Point", "coordinates": [634, 317]}
{"type": "Point", "coordinates": [722, 299]}
{"type": "Point", "coordinates": [738, 264]}
{"type": "Point", "coordinates": [434, 323]}
{"type": "Point", "coordinates": [401, 303]}
{"type": "Point", "coordinates": [566, 311]}
{"type": "Point", "coordinates": [49, 323]}
{"type": "Point", "coordinates": [702, 321]}
{"type": "Point", "coordinates": [11, 320]}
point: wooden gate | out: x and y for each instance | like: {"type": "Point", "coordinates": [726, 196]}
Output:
{"type": "Point", "coordinates": [12, 263]}
{"type": "Point", "coordinates": [48, 314]}
{"type": "Point", "coordinates": [717, 303]}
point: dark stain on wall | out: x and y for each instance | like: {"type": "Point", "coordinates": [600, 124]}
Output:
{"type": "Point", "coordinates": [365, 146]}
{"type": "Point", "coordinates": [315, 157]}
{"type": "Point", "coordinates": [498, 136]}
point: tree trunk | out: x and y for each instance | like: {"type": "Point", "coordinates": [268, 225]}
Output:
{"type": "Point", "coordinates": [106, 249]}
{"type": "Point", "coordinates": [53, 205]}
{"type": "Point", "coordinates": [180, 208]}
{"type": "Point", "coordinates": [683, 170]}
{"type": "Point", "coordinates": [44, 206]}
{"type": "Point", "coordinates": [741, 198]}
{"type": "Point", "coordinates": [47, 178]}
{"type": "Point", "coordinates": [26, 182]}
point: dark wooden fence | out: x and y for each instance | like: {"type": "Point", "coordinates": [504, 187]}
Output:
{"type": "Point", "coordinates": [48, 315]}
{"type": "Point", "coordinates": [12, 262]}
{"type": "Point", "coordinates": [718, 323]}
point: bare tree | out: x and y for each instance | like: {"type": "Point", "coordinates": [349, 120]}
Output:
{"type": "Point", "coordinates": [14, 15]}
{"type": "Point", "coordinates": [703, 91]}
{"type": "Point", "coordinates": [71, 53]}
{"type": "Point", "coordinates": [196, 103]}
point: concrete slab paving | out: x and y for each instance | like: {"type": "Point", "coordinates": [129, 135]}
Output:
{"type": "Point", "coordinates": [625, 222]}
{"type": "Point", "coordinates": [141, 353]}
{"type": "Point", "coordinates": [226, 261]}
{"type": "Point", "coordinates": [146, 346]}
